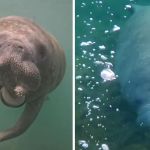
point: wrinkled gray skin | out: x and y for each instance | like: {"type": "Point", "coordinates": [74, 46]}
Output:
{"type": "Point", "coordinates": [133, 63]}
{"type": "Point", "coordinates": [31, 65]}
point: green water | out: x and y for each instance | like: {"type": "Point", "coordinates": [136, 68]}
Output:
{"type": "Point", "coordinates": [53, 127]}
{"type": "Point", "coordinates": [103, 118]}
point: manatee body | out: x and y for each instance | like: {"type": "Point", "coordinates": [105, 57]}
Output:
{"type": "Point", "coordinates": [32, 64]}
{"type": "Point", "coordinates": [133, 63]}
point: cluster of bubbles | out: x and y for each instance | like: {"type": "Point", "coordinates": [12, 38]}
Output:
{"type": "Point", "coordinates": [94, 67]}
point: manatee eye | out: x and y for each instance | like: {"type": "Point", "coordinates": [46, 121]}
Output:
{"type": "Point", "coordinates": [42, 53]}
{"type": "Point", "coordinates": [20, 47]}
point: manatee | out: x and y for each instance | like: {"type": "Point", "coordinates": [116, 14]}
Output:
{"type": "Point", "coordinates": [132, 63]}
{"type": "Point", "coordinates": [32, 64]}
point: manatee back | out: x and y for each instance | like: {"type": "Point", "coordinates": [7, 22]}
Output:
{"type": "Point", "coordinates": [133, 57]}
{"type": "Point", "coordinates": [132, 63]}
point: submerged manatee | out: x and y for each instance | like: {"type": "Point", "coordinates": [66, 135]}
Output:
{"type": "Point", "coordinates": [133, 63]}
{"type": "Point", "coordinates": [31, 65]}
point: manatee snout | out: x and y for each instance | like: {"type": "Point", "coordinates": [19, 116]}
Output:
{"type": "Point", "coordinates": [18, 75]}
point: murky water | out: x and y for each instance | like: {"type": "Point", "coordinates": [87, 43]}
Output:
{"type": "Point", "coordinates": [52, 128]}
{"type": "Point", "coordinates": [104, 121]}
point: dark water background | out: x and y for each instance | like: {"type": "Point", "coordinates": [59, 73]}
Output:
{"type": "Point", "coordinates": [52, 129]}
{"type": "Point", "coordinates": [104, 121]}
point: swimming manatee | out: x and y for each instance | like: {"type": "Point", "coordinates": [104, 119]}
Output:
{"type": "Point", "coordinates": [133, 63]}
{"type": "Point", "coordinates": [32, 64]}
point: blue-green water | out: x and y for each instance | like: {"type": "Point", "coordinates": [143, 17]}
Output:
{"type": "Point", "coordinates": [53, 127]}
{"type": "Point", "coordinates": [104, 120]}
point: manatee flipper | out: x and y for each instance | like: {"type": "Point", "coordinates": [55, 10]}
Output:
{"type": "Point", "coordinates": [29, 114]}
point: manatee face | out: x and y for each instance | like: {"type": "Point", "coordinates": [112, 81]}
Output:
{"type": "Point", "coordinates": [18, 74]}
